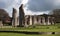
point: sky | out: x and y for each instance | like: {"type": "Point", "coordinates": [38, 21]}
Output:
{"type": "Point", "coordinates": [31, 7]}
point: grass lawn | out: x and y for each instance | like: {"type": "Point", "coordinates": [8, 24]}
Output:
{"type": "Point", "coordinates": [51, 28]}
{"type": "Point", "coordinates": [18, 34]}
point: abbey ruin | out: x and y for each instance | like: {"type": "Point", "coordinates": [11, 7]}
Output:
{"type": "Point", "coordinates": [25, 20]}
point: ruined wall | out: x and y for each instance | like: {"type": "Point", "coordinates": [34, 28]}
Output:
{"type": "Point", "coordinates": [39, 20]}
{"type": "Point", "coordinates": [21, 16]}
{"type": "Point", "coordinates": [14, 17]}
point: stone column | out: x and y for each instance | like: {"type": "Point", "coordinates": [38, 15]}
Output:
{"type": "Point", "coordinates": [39, 21]}
{"type": "Point", "coordinates": [48, 21]}
{"type": "Point", "coordinates": [14, 17]}
{"type": "Point", "coordinates": [25, 21]}
{"type": "Point", "coordinates": [52, 20]}
{"type": "Point", "coordinates": [21, 16]}
{"type": "Point", "coordinates": [18, 21]}
{"type": "Point", "coordinates": [35, 20]}
{"type": "Point", "coordinates": [26, 25]}
{"type": "Point", "coordinates": [43, 20]}
{"type": "Point", "coordinates": [31, 20]}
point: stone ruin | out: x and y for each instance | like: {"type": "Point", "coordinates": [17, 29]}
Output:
{"type": "Point", "coordinates": [14, 17]}
{"type": "Point", "coordinates": [21, 16]}
{"type": "Point", "coordinates": [39, 20]}
{"type": "Point", "coordinates": [25, 20]}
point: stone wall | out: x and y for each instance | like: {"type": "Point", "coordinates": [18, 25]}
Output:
{"type": "Point", "coordinates": [39, 20]}
{"type": "Point", "coordinates": [26, 20]}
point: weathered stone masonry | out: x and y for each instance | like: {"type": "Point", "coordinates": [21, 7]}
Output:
{"type": "Point", "coordinates": [26, 20]}
{"type": "Point", "coordinates": [14, 17]}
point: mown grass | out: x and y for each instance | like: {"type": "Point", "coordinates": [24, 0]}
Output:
{"type": "Point", "coordinates": [51, 28]}
{"type": "Point", "coordinates": [18, 34]}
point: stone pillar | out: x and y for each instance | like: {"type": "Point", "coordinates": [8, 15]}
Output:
{"type": "Point", "coordinates": [35, 20]}
{"type": "Point", "coordinates": [39, 21]}
{"type": "Point", "coordinates": [18, 21]}
{"type": "Point", "coordinates": [28, 20]}
{"type": "Point", "coordinates": [48, 21]}
{"type": "Point", "coordinates": [43, 20]}
{"type": "Point", "coordinates": [52, 20]}
{"type": "Point", "coordinates": [26, 25]}
{"type": "Point", "coordinates": [25, 21]}
{"type": "Point", "coordinates": [31, 20]}
{"type": "Point", "coordinates": [21, 16]}
{"type": "Point", "coordinates": [14, 17]}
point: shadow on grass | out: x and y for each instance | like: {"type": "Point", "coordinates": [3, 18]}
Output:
{"type": "Point", "coordinates": [25, 32]}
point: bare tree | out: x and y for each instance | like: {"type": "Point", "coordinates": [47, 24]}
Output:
{"type": "Point", "coordinates": [56, 13]}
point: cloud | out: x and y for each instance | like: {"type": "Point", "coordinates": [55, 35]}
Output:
{"type": "Point", "coordinates": [5, 3]}
{"type": "Point", "coordinates": [8, 5]}
{"type": "Point", "coordinates": [35, 13]}
{"type": "Point", "coordinates": [39, 5]}
{"type": "Point", "coordinates": [31, 7]}
{"type": "Point", "coordinates": [57, 4]}
{"type": "Point", "coordinates": [2, 5]}
{"type": "Point", "coordinates": [17, 3]}
{"type": "Point", "coordinates": [24, 2]}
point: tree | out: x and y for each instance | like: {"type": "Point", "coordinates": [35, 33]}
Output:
{"type": "Point", "coordinates": [4, 16]}
{"type": "Point", "coordinates": [56, 13]}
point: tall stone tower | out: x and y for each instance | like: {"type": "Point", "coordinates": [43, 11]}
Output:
{"type": "Point", "coordinates": [21, 16]}
{"type": "Point", "coordinates": [14, 17]}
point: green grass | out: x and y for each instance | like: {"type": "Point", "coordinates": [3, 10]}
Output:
{"type": "Point", "coordinates": [51, 28]}
{"type": "Point", "coordinates": [18, 34]}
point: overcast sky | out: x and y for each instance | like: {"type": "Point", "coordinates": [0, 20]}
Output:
{"type": "Point", "coordinates": [31, 7]}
